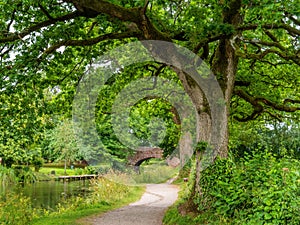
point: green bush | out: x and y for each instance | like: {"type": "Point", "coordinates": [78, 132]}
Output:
{"type": "Point", "coordinates": [37, 162]}
{"type": "Point", "coordinates": [89, 170]}
{"type": "Point", "coordinates": [16, 209]}
{"type": "Point", "coordinates": [79, 171]}
{"type": "Point", "coordinates": [257, 190]}
{"type": "Point", "coordinates": [24, 174]}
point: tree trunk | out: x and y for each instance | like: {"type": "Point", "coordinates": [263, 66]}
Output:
{"type": "Point", "coordinates": [224, 67]}
{"type": "Point", "coordinates": [65, 166]}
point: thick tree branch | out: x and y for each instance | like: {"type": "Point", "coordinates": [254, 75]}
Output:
{"type": "Point", "coordinates": [284, 26]}
{"type": "Point", "coordinates": [145, 6]}
{"type": "Point", "coordinates": [291, 101]}
{"type": "Point", "coordinates": [242, 83]}
{"type": "Point", "coordinates": [135, 15]}
{"type": "Point", "coordinates": [258, 106]}
{"type": "Point", "coordinates": [91, 41]}
{"type": "Point", "coordinates": [208, 40]}
{"type": "Point", "coordinates": [100, 6]}
{"type": "Point", "coordinates": [271, 36]}
{"type": "Point", "coordinates": [261, 55]}
{"type": "Point", "coordinates": [230, 13]}
{"type": "Point", "coordinates": [265, 43]}
{"type": "Point", "coordinates": [7, 50]}
{"type": "Point", "coordinates": [256, 113]}
{"type": "Point", "coordinates": [256, 101]}
{"type": "Point", "coordinates": [295, 21]}
{"type": "Point", "coordinates": [11, 21]}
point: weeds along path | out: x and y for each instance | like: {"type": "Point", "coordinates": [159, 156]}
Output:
{"type": "Point", "coordinates": [149, 210]}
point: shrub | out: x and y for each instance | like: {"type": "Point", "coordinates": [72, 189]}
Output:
{"type": "Point", "coordinates": [24, 174]}
{"type": "Point", "coordinates": [16, 209]}
{"type": "Point", "coordinates": [37, 162]}
{"type": "Point", "coordinates": [17, 174]}
{"type": "Point", "coordinates": [257, 190]}
{"type": "Point", "coordinates": [89, 170]}
{"type": "Point", "coordinates": [79, 171]}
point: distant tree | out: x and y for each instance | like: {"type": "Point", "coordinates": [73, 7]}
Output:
{"type": "Point", "coordinates": [63, 142]}
{"type": "Point", "coordinates": [279, 137]}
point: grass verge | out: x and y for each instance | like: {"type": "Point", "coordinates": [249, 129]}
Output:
{"type": "Point", "coordinates": [58, 171]}
{"type": "Point", "coordinates": [173, 215]}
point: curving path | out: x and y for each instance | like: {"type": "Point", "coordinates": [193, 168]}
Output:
{"type": "Point", "coordinates": [149, 210]}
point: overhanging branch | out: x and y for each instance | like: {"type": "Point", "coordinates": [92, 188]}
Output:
{"type": "Point", "coordinates": [295, 21]}
{"type": "Point", "coordinates": [262, 105]}
{"type": "Point", "coordinates": [284, 26]}
{"type": "Point", "coordinates": [258, 101]}
{"type": "Point", "coordinates": [262, 54]}
{"type": "Point", "coordinates": [265, 43]}
{"type": "Point", "coordinates": [91, 41]}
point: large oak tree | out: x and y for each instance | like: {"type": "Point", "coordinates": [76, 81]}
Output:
{"type": "Point", "coordinates": [251, 46]}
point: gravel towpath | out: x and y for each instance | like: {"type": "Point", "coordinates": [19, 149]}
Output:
{"type": "Point", "coordinates": [149, 210]}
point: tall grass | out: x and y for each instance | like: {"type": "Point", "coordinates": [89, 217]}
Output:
{"type": "Point", "coordinates": [105, 190]}
{"type": "Point", "coordinates": [17, 174]}
{"type": "Point", "coordinates": [7, 175]}
{"type": "Point", "coordinates": [154, 174]}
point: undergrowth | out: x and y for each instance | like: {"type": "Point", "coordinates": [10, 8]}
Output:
{"type": "Point", "coordinates": [260, 189]}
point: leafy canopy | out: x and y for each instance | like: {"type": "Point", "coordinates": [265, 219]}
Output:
{"type": "Point", "coordinates": [46, 46]}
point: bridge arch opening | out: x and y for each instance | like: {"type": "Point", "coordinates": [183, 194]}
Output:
{"type": "Point", "coordinates": [138, 163]}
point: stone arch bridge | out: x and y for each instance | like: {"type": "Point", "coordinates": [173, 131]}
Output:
{"type": "Point", "coordinates": [145, 153]}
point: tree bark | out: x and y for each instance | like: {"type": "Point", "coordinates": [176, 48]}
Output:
{"type": "Point", "coordinates": [224, 67]}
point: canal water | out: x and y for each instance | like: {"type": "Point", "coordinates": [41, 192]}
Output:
{"type": "Point", "coordinates": [47, 194]}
